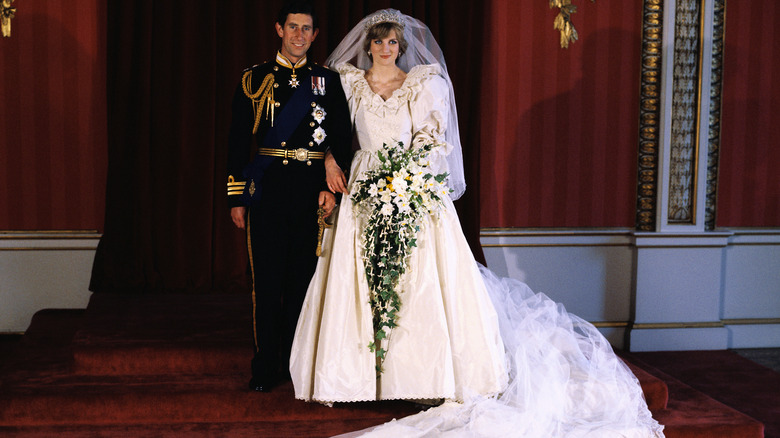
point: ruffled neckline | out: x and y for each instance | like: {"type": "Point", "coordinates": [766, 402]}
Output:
{"type": "Point", "coordinates": [355, 79]}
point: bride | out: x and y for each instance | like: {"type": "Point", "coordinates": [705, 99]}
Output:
{"type": "Point", "coordinates": [504, 361]}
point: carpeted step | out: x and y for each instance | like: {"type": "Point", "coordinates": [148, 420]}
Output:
{"type": "Point", "coordinates": [41, 395]}
{"type": "Point", "coordinates": [280, 429]}
{"type": "Point", "coordinates": [728, 378]}
{"type": "Point", "coordinates": [170, 404]}
{"type": "Point", "coordinates": [164, 334]}
{"type": "Point", "coordinates": [182, 334]}
{"type": "Point", "coordinates": [690, 413]}
{"type": "Point", "coordinates": [186, 334]}
{"type": "Point", "coordinates": [46, 345]}
{"type": "Point", "coordinates": [114, 400]}
{"type": "Point", "coordinates": [655, 390]}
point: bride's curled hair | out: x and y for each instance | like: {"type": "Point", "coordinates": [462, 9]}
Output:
{"type": "Point", "coordinates": [382, 30]}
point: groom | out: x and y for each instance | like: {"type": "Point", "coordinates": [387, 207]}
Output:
{"type": "Point", "coordinates": [296, 112]}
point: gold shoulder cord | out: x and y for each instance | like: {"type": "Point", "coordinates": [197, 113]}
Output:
{"type": "Point", "coordinates": [264, 94]}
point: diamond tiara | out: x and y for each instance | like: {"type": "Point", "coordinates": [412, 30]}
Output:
{"type": "Point", "coordinates": [385, 16]}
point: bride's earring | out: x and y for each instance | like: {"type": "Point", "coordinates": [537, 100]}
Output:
{"type": "Point", "coordinates": [369, 53]}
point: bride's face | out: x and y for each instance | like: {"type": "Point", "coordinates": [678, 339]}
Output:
{"type": "Point", "coordinates": [385, 51]}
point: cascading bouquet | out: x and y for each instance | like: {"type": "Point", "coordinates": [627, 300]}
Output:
{"type": "Point", "coordinates": [394, 196]}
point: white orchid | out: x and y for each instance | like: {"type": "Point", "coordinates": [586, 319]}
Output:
{"type": "Point", "coordinates": [418, 182]}
{"type": "Point", "coordinates": [402, 202]}
{"type": "Point", "coordinates": [386, 196]}
{"type": "Point", "coordinates": [387, 209]}
{"type": "Point", "coordinates": [399, 185]}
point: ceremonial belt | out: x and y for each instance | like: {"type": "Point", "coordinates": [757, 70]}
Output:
{"type": "Point", "coordinates": [299, 154]}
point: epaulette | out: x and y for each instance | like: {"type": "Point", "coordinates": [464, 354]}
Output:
{"type": "Point", "coordinates": [317, 67]}
{"type": "Point", "coordinates": [265, 65]}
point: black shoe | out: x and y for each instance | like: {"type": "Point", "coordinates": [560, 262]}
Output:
{"type": "Point", "coordinates": [257, 385]}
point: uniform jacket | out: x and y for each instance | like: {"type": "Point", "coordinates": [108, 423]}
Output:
{"type": "Point", "coordinates": [286, 107]}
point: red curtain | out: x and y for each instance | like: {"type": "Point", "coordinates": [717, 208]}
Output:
{"type": "Point", "coordinates": [561, 124]}
{"type": "Point", "coordinates": [172, 69]}
{"type": "Point", "coordinates": [749, 183]}
{"type": "Point", "coordinates": [52, 117]}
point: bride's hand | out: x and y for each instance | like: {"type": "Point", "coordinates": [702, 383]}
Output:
{"type": "Point", "coordinates": [337, 181]}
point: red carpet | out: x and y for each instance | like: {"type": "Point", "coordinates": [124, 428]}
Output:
{"type": "Point", "coordinates": [728, 378]}
{"type": "Point", "coordinates": [178, 366]}
{"type": "Point", "coordinates": [117, 370]}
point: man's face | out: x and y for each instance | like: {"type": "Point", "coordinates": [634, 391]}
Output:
{"type": "Point", "coordinates": [297, 35]}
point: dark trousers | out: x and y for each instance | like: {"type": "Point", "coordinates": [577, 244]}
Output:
{"type": "Point", "coordinates": [283, 230]}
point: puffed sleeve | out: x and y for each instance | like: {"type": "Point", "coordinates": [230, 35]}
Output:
{"type": "Point", "coordinates": [429, 108]}
{"type": "Point", "coordinates": [353, 82]}
{"type": "Point", "coordinates": [349, 74]}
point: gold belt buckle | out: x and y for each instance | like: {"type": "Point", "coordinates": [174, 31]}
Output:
{"type": "Point", "coordinates": [301, 154]}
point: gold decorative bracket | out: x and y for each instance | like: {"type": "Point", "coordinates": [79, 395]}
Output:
{"type": "Point", "coordinates": [6, 14]}
{"type": "Point", "coordinates": [563, 21]}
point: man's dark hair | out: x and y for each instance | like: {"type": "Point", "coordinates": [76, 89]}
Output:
{"type": "Point", "coordinates": [297, 7]}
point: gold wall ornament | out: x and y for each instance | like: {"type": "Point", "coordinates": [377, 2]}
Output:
{"type": "Point", "coordinates": [649, 115]}
{"type": "Point", "coordinates": [563, 22]}
{"type": "Point", "coordinates": [6, 14]}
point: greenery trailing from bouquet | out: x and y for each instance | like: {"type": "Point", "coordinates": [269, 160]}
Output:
{"type": "Point", "coordinates": [394, 196]}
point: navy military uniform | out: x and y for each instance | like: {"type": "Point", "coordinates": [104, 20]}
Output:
{"type": "Point", "coordinates": [295, 113]}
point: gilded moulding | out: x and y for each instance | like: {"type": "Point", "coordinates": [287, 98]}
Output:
{"type": "Point", "coordinates": [649, 114]}
{"type": "Point", "coordinates": [6, 14]}
{"type": "Point", "coordinates": [676, 325]}
{"type": "Point", "coordinates": [752, 321]}
{"type": "Point", "coordinates": [709, 324]}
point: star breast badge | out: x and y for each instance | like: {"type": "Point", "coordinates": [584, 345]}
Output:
{"type": "Point", "coordinates": [318, 114]}
{"type": "Point", "coordinates": [319, 135]}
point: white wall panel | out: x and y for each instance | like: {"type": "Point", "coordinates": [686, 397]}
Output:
{"type": "Point", "coordinates": [40, 271]}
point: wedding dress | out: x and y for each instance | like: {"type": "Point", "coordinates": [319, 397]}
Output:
{"type": "Point", "coordinates": [507, 361]}
{"type": "Point", "coordinates": [447, 343]}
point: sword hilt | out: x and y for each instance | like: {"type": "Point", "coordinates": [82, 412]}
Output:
{"type": "Point", "coordinates": [321, 225]}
